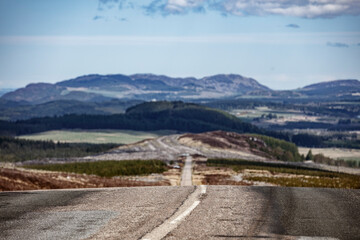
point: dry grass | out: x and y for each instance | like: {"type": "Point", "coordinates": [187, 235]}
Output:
{"type": "Point", "coordinates": [305, 181]}
{"type": "Point", "coordinates": [334, 153]}
{"type": "Point", "coordinates": [96, 136]}
{"type": "Point", "coordinates": [12, 179]}
{"type": "Point", "coordinates": [286, 175]}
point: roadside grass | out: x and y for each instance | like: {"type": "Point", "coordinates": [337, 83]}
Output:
{"type": "Point", "coordinates": [259, 111]}
{"type": "Point", "coordinates": [356, 159]}
{"type": "Point", "coordinates": [297, 176]}
{"type": "Point", "coordinates": [107, 168]}
{"type": "Point", "coordinates": [350, 182]}
{"type": "Point", "coordinates": [334, 153]}
{"type": "Point", "coordinates": [96, 136]}
{"type": "Point", "coordinates": [238, 165]}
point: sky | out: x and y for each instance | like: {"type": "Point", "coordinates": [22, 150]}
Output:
{"type": "Point", "coordinates": [283, 44]}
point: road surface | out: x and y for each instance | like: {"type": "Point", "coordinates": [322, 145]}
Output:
{"type": "Point", "coordinates": [201, 212]}
{"type": "Point", "coordinates": [186, 175]}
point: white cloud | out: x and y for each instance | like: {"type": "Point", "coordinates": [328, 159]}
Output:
{"type": "Point", "coordinates": [296, 8]}
{"type": "Point", "coordinates": [182, 6]}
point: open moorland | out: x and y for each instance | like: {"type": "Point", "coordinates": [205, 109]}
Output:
{"type": "Point", "coordinates": [334, 153]}
{"type": "Point", "coordinates": [96, 136]}
{"type": "Point", "coordinates": [217, 158]}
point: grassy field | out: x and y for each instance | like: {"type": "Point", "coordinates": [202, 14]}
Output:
{"type": "Point", "coordinates": [334, 153]}
{"type": "Point", "coordinates": [96, 136]}
{"type": "Point", "coordinates": [258, 111]}
{"type": "Point", "coordinates": [107, 168]}
{"type": "Point", "coordinates": [290, 176]}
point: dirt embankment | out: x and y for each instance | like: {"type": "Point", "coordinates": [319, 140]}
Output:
{"type": "Point", "coordinates": [13, 179]}
{"type": "Point", "coordinates": [229, 141]}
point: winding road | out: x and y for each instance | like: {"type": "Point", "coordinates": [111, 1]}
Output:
{"type": "Point", "coordinates": [186, 175]}
{"type": "Point", "coordinates": [193, 212]}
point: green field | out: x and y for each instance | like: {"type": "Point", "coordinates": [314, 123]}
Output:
{"type": "Point", "coordinates": [107, 168]}
{"type": "Point", "coordinates": [346, 154]}
{"type": "Point", "coordinates": [96, 136]}
{"type": "Point", "coordinates": [258, 111]}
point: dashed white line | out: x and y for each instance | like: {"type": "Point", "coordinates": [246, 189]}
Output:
{"type": "Point", "coordinates": [171, 223]}
{"type": "Point", "coordinates": [203, 189]}
{"type": "Point", "coordinates": [185, 213]}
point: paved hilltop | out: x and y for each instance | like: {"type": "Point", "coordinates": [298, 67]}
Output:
{"type": "Point", "coordinates": [138, 86]}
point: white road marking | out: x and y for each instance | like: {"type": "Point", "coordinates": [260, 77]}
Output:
{"type": "Point", "coordinates": [171, 223]}
{"type": "Point", "coordinates": [186, 176]}
{"type": "Point", "coordinates": [203, 189]}
{"type": "Point", "coordinates": [184, 214]}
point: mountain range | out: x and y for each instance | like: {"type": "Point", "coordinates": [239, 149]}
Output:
{"type": "Point", "coordinates": [97, 88]}
{"type": "Point", "coordinates": [113, 94]}
{"type": "Point", "coordinates": [100, 88]}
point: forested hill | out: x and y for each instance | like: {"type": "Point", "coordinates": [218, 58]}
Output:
{"type": "Point", "coordinates": [183, 117]}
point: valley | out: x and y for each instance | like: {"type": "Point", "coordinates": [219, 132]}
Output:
{"type": "Point", "coordinates": [217, 158]}
{"type": "Point", "coordinates": [180, 119]}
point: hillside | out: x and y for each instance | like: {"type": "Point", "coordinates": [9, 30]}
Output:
{"type": "Point", "coordinates": [177, 116]}
{"type": "Point", "coordinates": [139, 86]}
{"type": "Point", "coordinates": [10, 110]}
{"type": "Point", "coordinates": [336, 88]}
{"type": "Point", "coordinates": [99, 88]}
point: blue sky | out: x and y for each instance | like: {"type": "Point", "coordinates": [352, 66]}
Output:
{"type": "Point", "coordinates": [284, 44]}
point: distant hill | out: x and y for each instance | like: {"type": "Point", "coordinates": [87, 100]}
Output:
{"type": "Point", "coordinates": [37, 93]}
{"type": "Point", "coordinates": [183, 117]}
{"type": "Point", "coordinates": [5, 90]}
{"type": "Point", "coordinates": [335, 88]}
{"type": "Point", "coordinates": [11, 110]}
{"type": "Point", "coordinates": [149, 87]}
{"type": "Point", "coordinates": [97, 88]}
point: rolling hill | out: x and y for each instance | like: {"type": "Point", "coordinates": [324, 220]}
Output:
{"type": "Point", "coordinates": [12, 111]}
{"type": "Point", "coordinates": [95, 88]}
{"type": "Point", "coordinates": [100, 88]}
{"type": "Point", "coordinates": [179, 116]}
{"type": "Point", "coordinates": [336, 88]}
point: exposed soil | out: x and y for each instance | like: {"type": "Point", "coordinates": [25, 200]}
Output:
{"type": "Point", "coordinates": [204, 175]}
{"type": "Point", "coordinates": [13, 179]}
{"type": "Point", "coordinates": [228, 141]}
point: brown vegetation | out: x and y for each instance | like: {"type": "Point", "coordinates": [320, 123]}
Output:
{"type": "Point", "coordinates": [13, 179]}
{"type": "Point", "coordinates": [259, 146]}
{"type": "Point", "coordinates": [206, 175]}
{"type": "Point", "coordinates": [220, 139]}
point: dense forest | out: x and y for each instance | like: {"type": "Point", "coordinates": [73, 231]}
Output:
{"type": "Point", "coordinates": [147, 116]}
{"type": "Point", "coordinates": [14, 150]}
{"type": "Point", "coordinates": [179, 116]}
{"type": "Point", "coordinates": [346, 108]}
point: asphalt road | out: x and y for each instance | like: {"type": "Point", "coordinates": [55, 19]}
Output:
{"type": "Point", "coordinates": [194, 212]}
{"type": "Point", "coordinates": [186, 175]}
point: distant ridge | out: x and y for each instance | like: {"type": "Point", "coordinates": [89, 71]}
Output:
{"type": "Point", "coordinates": [149, 87]}
{"type": "Point", "coordinates": [333, 88]}
{"type": "Point", "coordinates": [335, 83]}
{"type": "Point", "coordinates": [96, 87]}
